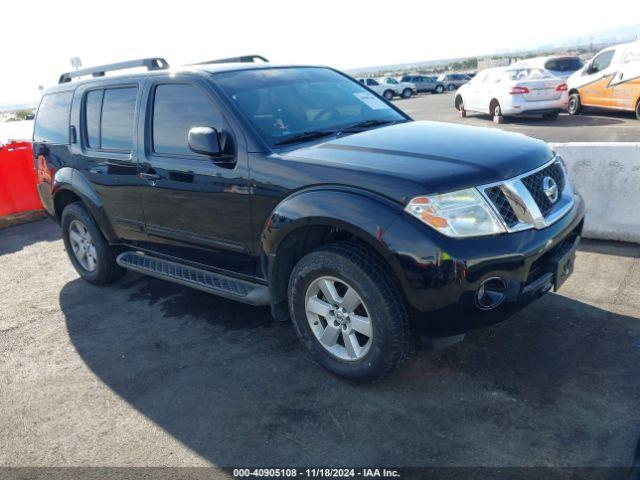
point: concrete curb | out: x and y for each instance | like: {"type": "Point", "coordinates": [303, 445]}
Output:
{"type": "Point", "coordinates": [607, 175]}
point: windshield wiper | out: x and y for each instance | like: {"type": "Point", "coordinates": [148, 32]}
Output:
{"type": "Point", "coordinates": [369, 123]}
{"type": "Point", "coordinates": [309, 135]}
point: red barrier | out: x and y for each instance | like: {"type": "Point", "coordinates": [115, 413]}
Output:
{"type": "Point", "coordinates": [18, 192]}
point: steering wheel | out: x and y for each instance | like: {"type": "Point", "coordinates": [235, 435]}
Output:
{"type": "Point", "coordinates": [328, 112]}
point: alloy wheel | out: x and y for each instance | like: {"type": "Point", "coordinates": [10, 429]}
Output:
{"type": "Point", "coordinates": [338, 318]}
{"type": "Point", "coordinates": [82, 245]}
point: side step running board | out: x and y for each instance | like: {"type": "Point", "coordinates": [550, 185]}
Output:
{"type": "Point", "coordinates": [222, 285]}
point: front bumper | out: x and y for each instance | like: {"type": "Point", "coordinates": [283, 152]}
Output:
{"type": "Point", "coordinates": [440, 276]}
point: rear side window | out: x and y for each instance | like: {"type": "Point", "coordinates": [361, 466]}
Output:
{"type": "Point", "coordinates": [116, 128]}
{"type": "Point", "coordinates": [108, 118]}
{"type": "Point", "coordinates": [93, 107]}
{"type": "Point", "coordinates": [52, 123]}
{"type": "Point", "coordinates": [176, 109]}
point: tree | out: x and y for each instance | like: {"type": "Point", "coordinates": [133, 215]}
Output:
{"type": "Point", "coordinates": [24, 114]}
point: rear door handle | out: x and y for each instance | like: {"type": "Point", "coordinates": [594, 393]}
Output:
{"type": "Point", "coordinates": [150, 176]}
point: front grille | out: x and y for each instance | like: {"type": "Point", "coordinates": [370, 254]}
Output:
{"type": "Point", "coordinates": [502, 205]}
{"type": "Point", "coordinates": [534, 185]}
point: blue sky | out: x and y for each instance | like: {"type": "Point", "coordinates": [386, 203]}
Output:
{"type": "Point", "coordinates": [43, 35]}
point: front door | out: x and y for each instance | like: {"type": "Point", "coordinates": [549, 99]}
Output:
{"type": "Point", "coordinates": [596, 78]}
{"type": "Point", "coordinates": [196, 207]}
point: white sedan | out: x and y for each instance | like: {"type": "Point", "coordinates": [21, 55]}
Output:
{"type": "Point", "coordinates": [513, 91]}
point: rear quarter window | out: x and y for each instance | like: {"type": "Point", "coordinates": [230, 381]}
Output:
{"type": "Point", "coordinates": [52, 121]}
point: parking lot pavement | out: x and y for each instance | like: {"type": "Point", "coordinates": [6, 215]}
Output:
{"type": "Point", "coordinates": [592, 126]}
{"type": "Point", "coordinates": [144, 372]}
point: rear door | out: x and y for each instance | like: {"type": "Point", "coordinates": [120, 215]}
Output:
{"type": "Point", "coordinates": [104, 116]}
{"type": "Point", "coordinates": [196, 207]}
{"type": "Point", "coordinates": [595, 89]}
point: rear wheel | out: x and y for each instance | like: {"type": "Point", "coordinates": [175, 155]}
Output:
{"type": "Point", "coordinates": [638, 110]}
{"type": "Point", "coordinates": [348, 313]}
{"type": "Point", "coordinates": [89, 252]}
{"type": "Point", "coordinates": [458, 103]}
{"type": "Point", "coordinates": [575, 106]}
{"type": "Point", "coordinates": [494, 108]}
{"type": "Point", "coordinates": [406, 93]}
{"type": "Point", "coordinates": [451, 87]}
{"type": "Point", "coordinates": [388, 94]}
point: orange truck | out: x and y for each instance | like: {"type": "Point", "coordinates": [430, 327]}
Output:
{"type": "Point", "coordinates": [610, 80]}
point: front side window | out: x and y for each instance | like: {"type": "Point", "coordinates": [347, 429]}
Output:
{"type": "Point", "coordinates": [52, 122]}
{"type": "Point", "coordinates": [283, 102]}
{"type": "Point", "coordinates": [176, 109]}
{"type": "Point", "coordinates": [392, 81]}
{"type": "Point", "coordinates": [602, 61]}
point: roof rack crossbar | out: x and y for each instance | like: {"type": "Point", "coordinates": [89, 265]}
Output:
{"type": "Point", "coordinates": [242, 59]}
{"type": "Point", "coordinates": [153, 63]}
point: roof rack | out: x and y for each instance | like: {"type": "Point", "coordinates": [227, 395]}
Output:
{"type": "Point", "coordinates": [153, 63]}
{"type": "Point", "coordinates": [242, 59]}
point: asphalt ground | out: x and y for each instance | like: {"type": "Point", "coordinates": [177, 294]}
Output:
{"type": "Point", "coordinates": [593, 125]}
{"type": "Point", "coordinates": [147, 373]}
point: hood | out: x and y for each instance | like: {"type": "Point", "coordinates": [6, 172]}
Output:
{"type": "Point", "coordinates": [432, 157]}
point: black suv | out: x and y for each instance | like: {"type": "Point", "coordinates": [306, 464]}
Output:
{"type": "Point", "coordinates": [299, 188]}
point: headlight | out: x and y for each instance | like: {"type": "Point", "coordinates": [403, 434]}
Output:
{"type": "Point", "coordinates": [457, 214]}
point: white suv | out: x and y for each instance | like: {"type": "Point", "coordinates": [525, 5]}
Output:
{"type": "Point", "coordinates": [386, 91]}
{"type": "Point", "coordinates": [402, 89]}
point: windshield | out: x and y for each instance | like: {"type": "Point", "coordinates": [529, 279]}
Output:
{"type": "Point", "coordinates": [527, 73]}
{"type": "Point", "coordinates": [285, 102]}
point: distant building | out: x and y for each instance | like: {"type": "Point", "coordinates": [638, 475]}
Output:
{"type": "Point", "coordinates": [484, 63]}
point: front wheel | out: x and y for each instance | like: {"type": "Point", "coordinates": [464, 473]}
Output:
{"type": "Point", "coordinates": [388, 94]}
{"type": "Point", "coordinates": [439, 89]}
{"type": "Point", "coordinates": [348, 312]}
{"type": "Point", "coordinates": [575, 106]}
{"type": "Point", "coordinates": [89, 252]}
{"type": "Point", "coordinates": [406, 93]}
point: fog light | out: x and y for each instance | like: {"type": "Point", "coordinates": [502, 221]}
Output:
{"type": "Point", "coordinates": [491, 293]}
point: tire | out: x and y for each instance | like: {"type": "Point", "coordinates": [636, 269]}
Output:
{"type": "Point", "coordinates": [353, 266]}
{"type": "Point", "coordinates": [388, 94]}
{"type": "Point", "coordinates": [494, 108]}
{"type": "Point", "coordinates": [575, 106]}
{"type": "Point", "coordinates": [105, 269]}
{"type": "Point", "coordinates": [439, 89]}
{"type": "Point", "coordinates": [406, 93]}
{"type": "Point", "coordinates": [550, 116]}
{"type": "Point", "coordinates": [638, 110]}
{"type": "Point", "coordinates": [458, 103]}
{"type": "Point", "coordinates": [451, 87]}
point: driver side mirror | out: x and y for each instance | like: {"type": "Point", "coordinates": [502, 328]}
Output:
{"type": "Point", "coordinates": [204, 140]}
{"type": "Point", "coordinates": [590, 68]}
